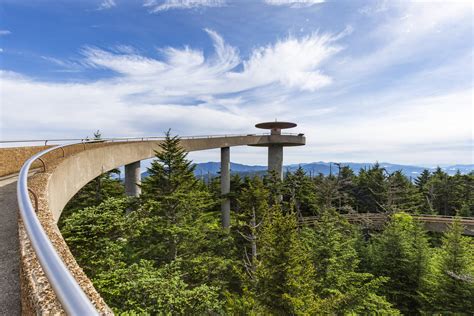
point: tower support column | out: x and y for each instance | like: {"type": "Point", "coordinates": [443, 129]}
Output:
{"type": "Point", "coordinates": [275, 159]}
{"type": "Point", "coordinates": [225, 186]}
{"type": "Point", "coordinates": [133, 179]}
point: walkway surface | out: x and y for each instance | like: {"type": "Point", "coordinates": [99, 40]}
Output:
{"type": "Point", "coordinates": [9, 249]}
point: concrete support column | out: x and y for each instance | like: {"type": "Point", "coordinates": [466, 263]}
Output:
{"type": "Point", "coordinates": [275, 159]}
{"type": "Point", "coordinates": [133, 179]}
{"type": "Point", "coordinates": [225, 186]}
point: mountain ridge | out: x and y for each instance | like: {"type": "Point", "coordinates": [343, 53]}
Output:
{"type": "Point", "coordinates": [326, 168]}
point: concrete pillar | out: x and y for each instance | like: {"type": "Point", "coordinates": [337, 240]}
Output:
{"type": "Point", "coordinates": [133, 179]}
{"type": "Point", "coordinates": [225, 186]}
{"type": "Point", "coordinates": [275, 159]}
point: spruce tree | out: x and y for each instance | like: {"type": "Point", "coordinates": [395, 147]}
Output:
{"type": "Point", "coordinates": [173, 201]}
{"type": "Point", "coordinates": [299, 192]}
{"type": "Point", "coordinates": [170, 172]}
{"type": "Point", "coordinates": [331, 244]}
{"type": "Point", "coordinates": [284, 278]}
{"type": "Point", "coordinates": [455, 272]}
{"type": "Point", "coordinates": [372, 190]}
{"type": "Point", "coordinates": [401, 253]}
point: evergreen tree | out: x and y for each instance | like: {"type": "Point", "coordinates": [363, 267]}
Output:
{"type": "Point", "coordinates": [455, 273]}
{"type": "Point", "coordinates": [346, 198]}
{"type": "Point", "coordinates": [97, 235]}
{"type": "Point", "coordinates": [170, 172]}
{"type": "Point", "coordinates": [283, 282]}
{"type": "Point", "coordinates": [253, 203]}
{"type": "Point", "coordinates": [371, 190]}
{"type": "Point", "coordinates": [143, 289]}
{"type": "Point", "coordinates": [401, 253]}
{"type": "Point", "coordinates": [422, 179]}
{"type": "Point", "coordinates": [401, 194]}
{"type": "Point", "coordinates": [299, 192]}
{"type": "Point", "coordinates": [275, 187]}
{"type": "Point", "coordinates": [331, 244]}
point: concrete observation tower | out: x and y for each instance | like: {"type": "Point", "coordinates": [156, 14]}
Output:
{"type": "Point", "coordinates": [276, 142]}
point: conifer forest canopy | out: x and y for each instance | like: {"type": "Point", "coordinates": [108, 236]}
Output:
{"type": "Point", "coordinates": [166, 253]}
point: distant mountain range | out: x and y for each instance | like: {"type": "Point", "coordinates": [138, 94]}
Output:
{"type": "Point", "coordinates": [326, 168]}
{"type": "Point", "coordinates": [211, 168]}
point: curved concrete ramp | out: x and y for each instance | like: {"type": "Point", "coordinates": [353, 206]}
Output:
{"type": "Point", "coordinates": [10, 303]}
{"type": "Point", "coordinates": [64, 172]}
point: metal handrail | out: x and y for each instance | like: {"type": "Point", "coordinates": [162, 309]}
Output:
{"type": "Point", "coordinates": [68, 291]}
{"type": "Point", "coordinates": [138, 138]}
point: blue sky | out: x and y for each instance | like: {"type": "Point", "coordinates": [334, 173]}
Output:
{"type": "Point", "coordinates": [365, 80]}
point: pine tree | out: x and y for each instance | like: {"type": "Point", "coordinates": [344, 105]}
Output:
{"type": "Point", "coordinates": [170, 172]}
{"type": "Point", "coordinates": [275, 187]}
{"type": "Point", "coordinates": [253, 203]}
{"type": "Point", "coordinates": [401, 253]}
{"type": "Point", "coordinates": [422, 179]}
{"type": "Point", "coordinates": [173, 200]}
{"type": "Point", "coordinates": [345, 200]}
{"type": "Point", "coordinates": [371, 190]}
{"type": "Point", "coordinates": [299, 192]}
{"type": "Point", "coordinates": [401, 194]}
{"type": "Point", "coordinates": [455, 273]}
{"type": "Point", "coordinates": [283, 280]}
{"type": "Point", "coordinates": [331, 244]}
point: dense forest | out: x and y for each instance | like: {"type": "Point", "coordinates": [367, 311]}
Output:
{"type": "Point", "coordinates": [166, 253]}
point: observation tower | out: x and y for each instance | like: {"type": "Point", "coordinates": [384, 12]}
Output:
{"type": "Point", "coordinates": [276, 141]}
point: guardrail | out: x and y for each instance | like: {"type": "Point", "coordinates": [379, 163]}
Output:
{"type": "Point", "coordinates": [68, 291]}
{"type": "Point", "coordinates": [144, 138]}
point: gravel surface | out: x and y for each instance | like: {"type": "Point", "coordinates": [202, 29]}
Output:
{"type": "Point", "coordinates": [9, 250]}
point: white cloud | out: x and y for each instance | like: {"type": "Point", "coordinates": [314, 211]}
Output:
{"type": "Point", "coordinates": [378, 7]}
{"type": "Point", "coordinates": [5, 32]}
{"type": "Point", "coordinates": [1, 50]}
{"type": "Point", "coordinates": [431, 130]}
{"type": "Point", "coordinates": [107, 4]}
{"type": "Point", "coordinates": [292, 63]}
{"type": "Point", "coordinates": [409, 32]}
{"type": "Point", "coordinates": [186, 90]}
{"type": "Point", "coordinates": [165, 5]}
{"type": "Point", "coordinates": [294, 3]}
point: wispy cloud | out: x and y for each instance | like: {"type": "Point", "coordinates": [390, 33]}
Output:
{"type": "Point", "coordinates": [165, 5]}
{"type": "Point", "coordinates": [106, 4]}
{"type": "Point", "coordinates": [294, 3]}
{"type": "Point", "coordinates": [396, 39]}
{"type": "Point", "coordinates": [183, 83]}
{"type": "Point", "coordinates": [5, 32]}
{"type": "Point", "coordinates": [292, 63]}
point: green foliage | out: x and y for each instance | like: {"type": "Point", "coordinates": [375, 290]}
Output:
{"type": "Point", "coordinates": [283, 281]}
{"type": "Point", "coordinates": [142, 288]}
{"type": "Point", "coordinates": [95, 235]}
{"type": "Point", "coordinates": [170, 172]}
{"type": "Point", "coordinates": [454, 287]}
{"type": "Point", "coordinates": [299, 192]}
{"type": "Point", "coordinates": [332, 245]}
{"type": "Point", "coordinates": [166, 253]}
{"type": "Point", "coordinates": [95, 192]}
{"type": "Point", "coordinates": [401, 253]}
